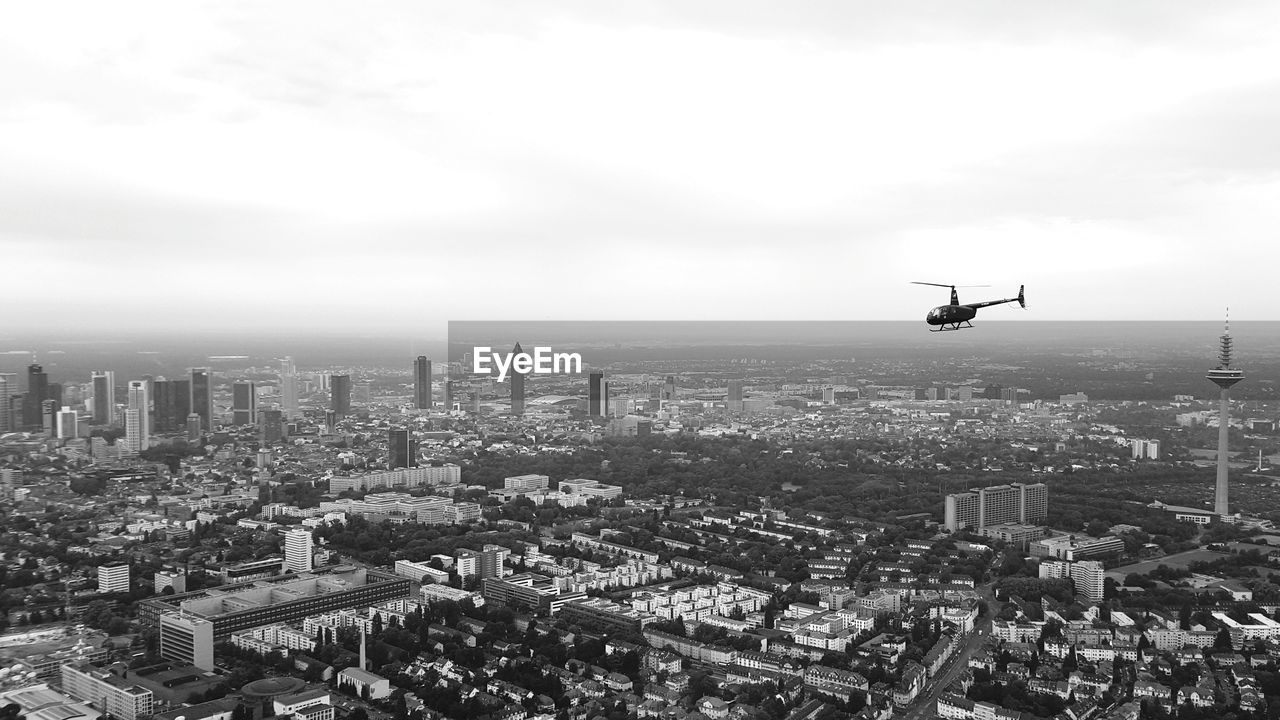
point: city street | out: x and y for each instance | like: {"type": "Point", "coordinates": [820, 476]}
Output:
{"type": "Point", "coordinates": [926, 704]}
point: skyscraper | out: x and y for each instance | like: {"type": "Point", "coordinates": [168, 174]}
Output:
{"type": "Point", "coordinates": [298, 550]}
{"type": "Point", "coordinates": [137, 419]}
{"type": "Point", "coordinates": [289, 388]}
{"type": "Point", "coordinates": [402, 451]}
{"type": "Point", "coordinates": [340, 395]}
{"type": "Point", "coordinates": [54, 393]}
{"type": "Point", "coordinates": [8, 388]}
{"type": "Point", "coordinates": [517, 386]}
{"type": "Point", "coordinates": [422, 382]}
{"type": "Point", "coordinates": [244, 403]}
{"type": "Point", "coordinates": [37, 393]}
{"type": "Point", "coordinates": [597, 395]}
{"type": "Point", "coordinates": [669, 388]}
{"type": "Point", "coordinates": [171, 400]}
{"type": "Point", "coordinates": [733, 396]}
{"type": "Point", "coordinates": [104, 397]}
{"type": "Point", "coordinates": [68, 422]}
{"type": "Point", "coordinates": [202, 396]}
{"type": "Point", "coordinates": [49, 417]}
{"type": "Point", "coordinates": [1224, 376]}
{"type": "Point", "coordinates": [271, 426]}
{"type": "Point", "coordinates": [193, 427]}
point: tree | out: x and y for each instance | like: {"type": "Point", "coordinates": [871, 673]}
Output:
{"type": "Point", "coordinates": [1223, 639]}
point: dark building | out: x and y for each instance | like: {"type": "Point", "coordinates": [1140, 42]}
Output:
{"type": "Point", "coordinates": [49, 417]}
{"type": "Point", "coordinates": [37, 393]}
{"type": "Point", "coordinates": [340, 395]}
{"type": "Point", "coordinates": [402, 451]}
{"type": "Point", "coordinates": [244, 403]}
{"type": "Point", "coordinates": [172, 402]}
{"type": "Point", "coordinates": [448, 396]}
{"type": "Point", "coordinates": [271, 426]}
{"type": "Point", "coordinates": [517, 386]}
{"type": "Point", "coordinates": [193, 427]}
{"type": "Point", "coordinates": [202, 396]}
{"type": "Point", "coordinates": [597, 395]}
{"type": "Point", "coordinates": [669, 388]}
{"type": "Point", "coordinates": [422, 382]}
{"type": "Point", "coordinates": [55, 393]}
{"type": "Point", "coordinates": [104, 394]}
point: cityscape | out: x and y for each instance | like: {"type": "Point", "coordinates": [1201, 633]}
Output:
{"type": "Point", "coordinates": [660, 534]}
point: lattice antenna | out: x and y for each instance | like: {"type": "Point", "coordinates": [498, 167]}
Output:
{"type": "Point", "coordinates": [1224, 355]}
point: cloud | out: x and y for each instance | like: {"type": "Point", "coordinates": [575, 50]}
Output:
{"type": "Point", "coordinates": [396, 164]}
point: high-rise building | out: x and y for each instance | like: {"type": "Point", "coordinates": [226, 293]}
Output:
{"type": "Point", "coordinates": [482, 564]}
{"type": "Point", "coordinates": [244, 403]}
{"type": "Point", "coordinates": [271, 426]}
{"type": "Point", "coordinates": [402, 451]}
{"type": "Point", "coordinates": [49, 417]}
{"type": "Point", "coordinates": [8, 389]}
{"type": "Point", "coordinates": [1149, 449]}
{"type": "Point", "coordinates": [113, 578]}
{"type": "Point", "coordinates": [997, 505]}
{"type": "Point", "coordinates": [1088, 578]}
{"type": "Point", "coordinates": [68, 421]}
{"type": "Point", "coordinates": [340, 395]}
{"type": "Point", "coordinates": [193, 427]}
{"type": "Point", "coordinates": [298, 550]}
{"type": "Point", "coordinates": [733, 395]}
{"type": "Point", "coordinates": [289, 388]}
{"type": "Point", "coordinates": [202, 396]}
{"type": "Point", "coordinates": [669, 388]}
{"type": "Point", "coordinates": [104, 397]}
{"type": "Point", "coordinates": [362, 395]}
{"type": "Point", "coordinates": [517, 386]}
{"type": "Point", "coordinates": [171, 400]}
{"type": "Point", "coordinates": [1224, 376]}
{"type": "Point", "coordinates": [137, 425]}
{"type": "Point", "coordinates": [422, 383]}
{"type": "Point", "coordinates": [37, 393]}
{"type": "Point", "coordinates": [597, 395]}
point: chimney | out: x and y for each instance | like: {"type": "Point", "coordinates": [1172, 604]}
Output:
{"type": "Point", "coordinates": [362, 650]}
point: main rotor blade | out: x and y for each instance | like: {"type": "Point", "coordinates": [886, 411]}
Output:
{"type": "Point", "coordinates": [916, 282]}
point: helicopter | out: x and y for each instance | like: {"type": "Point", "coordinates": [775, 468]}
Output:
{"type": "Point", "coordinates": [950, 317]}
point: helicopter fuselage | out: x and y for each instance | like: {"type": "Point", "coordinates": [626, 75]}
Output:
{"type": "Point", "coordinates": [948, 314]}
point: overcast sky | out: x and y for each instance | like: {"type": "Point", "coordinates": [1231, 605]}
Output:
{"type": "Point", "coordinates": [393, 165]}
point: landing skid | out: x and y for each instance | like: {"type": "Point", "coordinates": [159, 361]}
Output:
{"type": "Point", "coordinates": [952, 326]}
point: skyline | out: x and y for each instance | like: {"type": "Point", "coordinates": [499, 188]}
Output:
{"type": "Point", "coordinates": [283, 167]}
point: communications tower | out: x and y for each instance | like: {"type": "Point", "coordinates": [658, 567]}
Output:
{"type": "Point", "coordinates": [1224, 376]}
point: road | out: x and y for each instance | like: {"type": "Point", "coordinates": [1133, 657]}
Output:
{"type": "Point", "coordinates": [925, 705]}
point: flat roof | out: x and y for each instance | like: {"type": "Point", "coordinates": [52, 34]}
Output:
{"type": "Point", "coordinates": [211, 603]}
